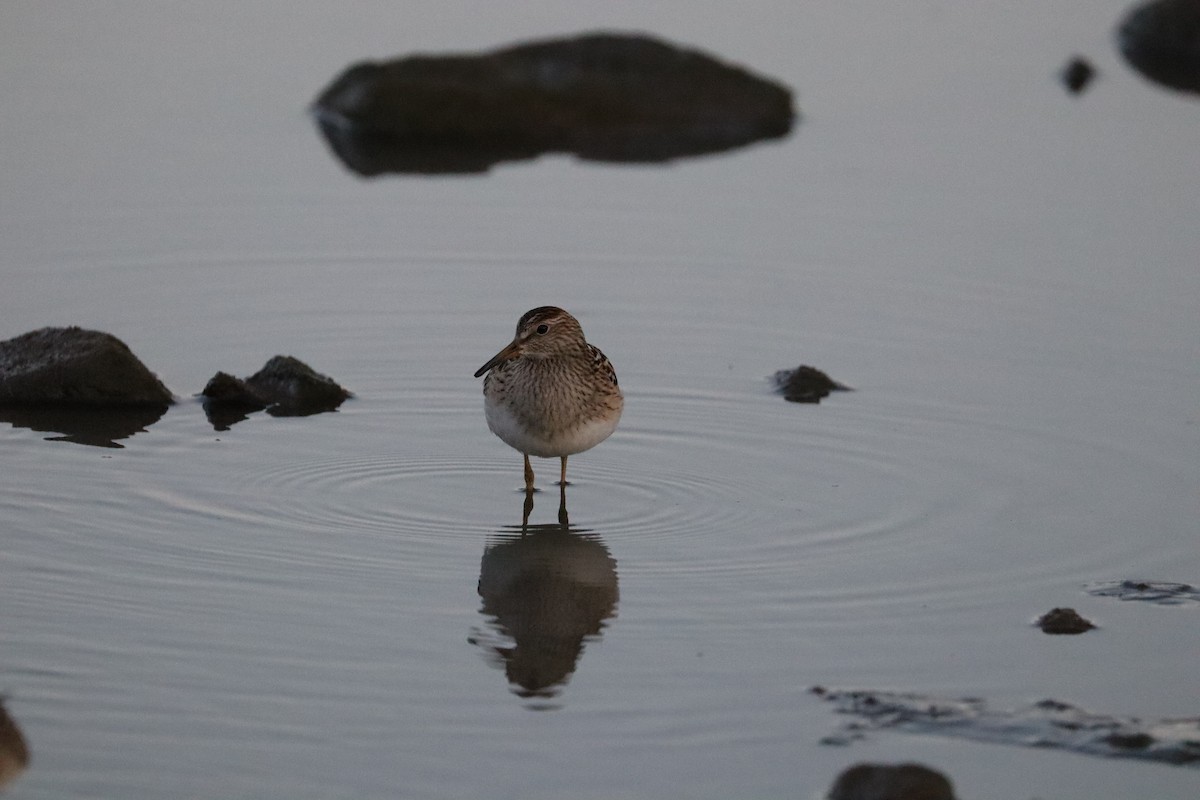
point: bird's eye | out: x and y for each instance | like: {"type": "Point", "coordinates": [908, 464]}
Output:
{"type": "Point", "coordinates": [542, 328]}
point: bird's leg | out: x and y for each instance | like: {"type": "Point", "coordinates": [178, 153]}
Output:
{"type": "Point", "coordinates": [562, 481]}
{"type": "Point", "coordinates": [528, 475]}
{"type": "Point", "coordinates": [526, 511]}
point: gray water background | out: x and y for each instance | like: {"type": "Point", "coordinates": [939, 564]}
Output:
{"type": "Point", "coordinates": [1007, 276]}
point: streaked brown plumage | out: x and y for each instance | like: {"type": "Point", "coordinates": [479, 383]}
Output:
{"type": "Point", "coordinates": [550, 393]}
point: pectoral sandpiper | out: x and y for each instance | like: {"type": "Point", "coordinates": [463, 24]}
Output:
{"type": "Point", "coordinates": [550, 393]}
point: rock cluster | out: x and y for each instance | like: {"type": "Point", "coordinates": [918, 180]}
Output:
{"type": "Point", "coordinates": [91, 388]}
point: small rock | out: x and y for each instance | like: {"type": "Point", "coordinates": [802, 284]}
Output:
{"type": "Point", "coordinates": [1063, 621]}
{"type": "Point", "coordinates": [73, 366]}
{"type": "Point", "coordinates": [1161, 40]}
{"type": "Point", "coordinates": [285, 386]}
{"type": "Point", "coordinates": [294, 389]}
{"type": "Point", "coordinates": [225, 389]}
{"type": "Point", "coordinates": [806, 384]}
{"type": "Point", "coordinates": [1077, 74]}
{"type": "Point", "coordinates": [228, 401]}
{"type": "Point", "coordinates": [891, 782]}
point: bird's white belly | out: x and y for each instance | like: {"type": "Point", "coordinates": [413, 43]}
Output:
{"type": "Point", "coordinates": [512, 432]}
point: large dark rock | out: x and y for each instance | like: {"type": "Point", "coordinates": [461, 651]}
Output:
{"type": "Point", "coordinates": [285, 386]}
{"type": "Point", "coordinates": [891, 782]}
{"type": "Point", "coordinates": [14, 753]}
{"type": "Point", "coordinates": [600, 96]}
{"type": "Point", "coordinates": [1161, 40]}
{"type": "Point", "coordinates": [73, 366]}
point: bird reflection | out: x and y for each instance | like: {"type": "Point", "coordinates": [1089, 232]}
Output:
{"type": "Point", "coordinates": [14, 753]}
{"type": "Point", "coordinates": [546, 590]}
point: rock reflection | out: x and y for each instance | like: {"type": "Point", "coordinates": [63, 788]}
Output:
{"type": "Point", "coordinates": [546, 590]}
{"type": "Point", "coordinates": [97, 427]}
{"type": "Point", "coordinates": [370, 153]}
{"type": "Point", "coordinates": [14, 753]}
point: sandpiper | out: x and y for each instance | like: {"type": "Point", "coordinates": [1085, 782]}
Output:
{"type": "Point", "coordinates": [550, 393]}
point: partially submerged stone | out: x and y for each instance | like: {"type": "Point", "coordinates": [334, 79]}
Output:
{"type": "Point", "coordinates": [1063, 621]}
{"type": "Point", "coordinates": [891, 782]}
{"type": "Point", "coordinates": [224, 389]}
{"type": "Point", "coordinates": [599, 96]}
{"type": "Point", "coordinates": [805, 384]}
{"type": "Point", "coordinates": [1161, 40]}
{"type": "Point", "coordinates": [1164, 593]}
{"type": "Point", "coordinates": [1045, 724]}
{"type": "Point", "coordinates": [73, 366]}
{"type": "Point", "coordinates": [285, 386]}
{"type": "Point", "coordinates": [291, 388]}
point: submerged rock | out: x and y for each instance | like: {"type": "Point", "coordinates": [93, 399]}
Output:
{"type": "Point", "coordinates": [285, 386]}
{"type": "Point", "coordinates": [1161, 40]}
{"type": "Point", "coordinates": [600, 96]}
{"type": "Point", "coordinates": [1162, 593]}
{"type": "Point", "coordinates": [1063, 621]}
{"type": "Point", "coordinates": [76, 367]}
{"type": "Point", "coordinates": [805, 384]}
{"type": "Point", "coordinates": [1045, 724]}
{"type": "Point", "coordinates": [891, 782]}
{"type": "Point", "coordinates": [1077, 74]}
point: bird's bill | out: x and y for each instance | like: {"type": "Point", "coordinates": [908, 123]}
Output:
{"type": "Point", "coordinates": [512, 351]}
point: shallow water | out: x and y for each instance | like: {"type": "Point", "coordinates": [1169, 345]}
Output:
{"type": "Point", "coordinates": [324, 606]}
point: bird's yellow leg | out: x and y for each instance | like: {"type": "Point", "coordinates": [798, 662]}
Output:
{"type": "Point", "coordinates": [528, 475]}
{"type": "Point", "coordinates": [562, 481]}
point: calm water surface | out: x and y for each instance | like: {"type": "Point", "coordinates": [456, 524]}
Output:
{"type": "Point", "coordinates": [342, 605]}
